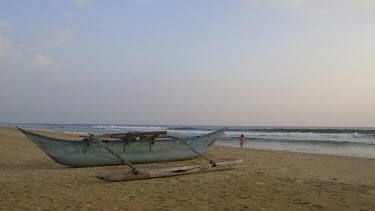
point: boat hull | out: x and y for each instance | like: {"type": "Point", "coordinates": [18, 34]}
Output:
{"type": "Point", "coordinates": [84, 154]}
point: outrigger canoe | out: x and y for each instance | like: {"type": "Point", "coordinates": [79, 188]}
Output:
{"type": "Point", "coordinates": [146, 147]}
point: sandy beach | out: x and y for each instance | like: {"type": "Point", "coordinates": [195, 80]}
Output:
{"type": "Point", "coordinates": [266, 180]}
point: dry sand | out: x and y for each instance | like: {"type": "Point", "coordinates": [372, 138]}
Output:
{"type": "Point", "coordinates": [267, 180]}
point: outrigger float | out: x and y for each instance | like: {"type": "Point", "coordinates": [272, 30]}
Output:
{"type": "Point", "coordinates": [132, 148]}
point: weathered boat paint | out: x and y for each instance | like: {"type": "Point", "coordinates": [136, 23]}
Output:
{"type": "Point", "coordinates": [84, 154]}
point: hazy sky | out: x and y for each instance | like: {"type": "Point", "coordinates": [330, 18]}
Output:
{"type": "Point", "coordinates": [232, 62]}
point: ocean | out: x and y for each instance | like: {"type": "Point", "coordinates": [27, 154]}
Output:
{"type": "Point", "coordinates": [321, 140]}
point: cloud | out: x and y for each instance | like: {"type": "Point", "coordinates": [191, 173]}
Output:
{"type": "Point", "coordinates": [14, 57]}
{"type": "Point", "coordinates": [81, 3]}
{"type": "Point", "coordinates": [5, 46]}
{"type": "Point", "coordinates": [20, 65]}
{"type": "Point", "coordinates": [145, 2]}
{"type": "Point", "coordinates": [54, 38]}
{"type": "Point", "coordinates": [316, 3]}
{"type": "Point", "coordinates": [64, 82]}
{"type": "Point", "coordinates": [68, 15]}
{"type": "Point", "coordinates": [278, 2]}
{"type": "Point", "coordinates": [319, 8]}
{"type": "Point", "coordinates": [360, 3]}
{"type": "Point", "coordinates": [357, 1]}
{"type": "Point", "coordinates": [321, 12]}
{"type": "Point", "coordinates": [40, 60]}
{"type": "Point", "coordinates": [4, 24]}
{"type": "Point", "coordinates": [43, 64]}
{"type": "Point", "coordinates": [10, 54]}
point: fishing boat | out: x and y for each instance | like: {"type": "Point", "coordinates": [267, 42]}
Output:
{"type": "Point", "coordinates": [136, 147]}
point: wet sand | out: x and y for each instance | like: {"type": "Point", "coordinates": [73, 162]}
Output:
{"type": "Point", "coordinates": [266, 180]}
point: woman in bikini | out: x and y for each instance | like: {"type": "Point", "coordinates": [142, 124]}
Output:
{"type": "Point", "coordinates": [242, 140]}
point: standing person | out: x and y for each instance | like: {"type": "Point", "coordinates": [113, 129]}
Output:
{"type": "Point", "coordinates": [242, 140]}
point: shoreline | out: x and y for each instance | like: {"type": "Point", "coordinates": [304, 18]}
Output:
{"type": "Point", "coordinates": [268, 179]}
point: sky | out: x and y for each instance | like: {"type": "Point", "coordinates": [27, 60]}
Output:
{"type": "Point", "coordinates": [198, 62]}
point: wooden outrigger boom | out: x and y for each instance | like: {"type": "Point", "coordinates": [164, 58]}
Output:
{"type": "Point", "coordinates": [167, 172]}
{"type": "Point", "coordinates": [129, 135]}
